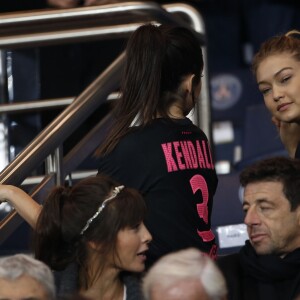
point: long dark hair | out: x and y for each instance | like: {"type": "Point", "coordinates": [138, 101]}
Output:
{"type": "Point", "coordinates": [157, 60]}
{"type": "Point", "coordinates": [58, 237]}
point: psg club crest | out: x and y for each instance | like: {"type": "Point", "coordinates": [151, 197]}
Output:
{"type": "Point", "coordinates": [226, 90]}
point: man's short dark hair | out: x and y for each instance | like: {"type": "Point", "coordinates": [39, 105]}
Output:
{"type": "Point", "coordinates": [277, 169]}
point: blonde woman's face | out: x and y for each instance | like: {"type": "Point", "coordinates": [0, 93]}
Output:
{"type": "Point", "coordinates": [278, 78]}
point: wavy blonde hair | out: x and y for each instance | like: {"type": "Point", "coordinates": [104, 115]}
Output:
{"type": "Point", "coordinates": [285, 43]}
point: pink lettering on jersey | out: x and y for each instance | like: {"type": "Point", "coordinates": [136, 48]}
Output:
{"type": "Point", "coordinates": [198, 183]}
{"type": "Point", "coordinates": [186, 154]}
{"type": "Point", "coordinates": [205, 155]}
{"type": "Point", "coordinates": [182, 155]}
{"type": "Point", "coordinates": [213, 252]}
{"type": "Point", "coordinates": [193, 154]}
{"type": "Point", "coordinates": [206, 236]}
{"type": "Point", "coordinates": [178, 155]}
{"type": "Point", "coordinates": [171, 164]}
{"type": "Point", "coordinates": [200, 155]}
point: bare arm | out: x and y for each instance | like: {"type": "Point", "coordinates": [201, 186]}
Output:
{"type": "Point", "coordinates": [25, 206]}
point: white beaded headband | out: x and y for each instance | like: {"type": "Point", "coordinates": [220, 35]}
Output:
{"type": "Point", "coordinates": [114, 193]}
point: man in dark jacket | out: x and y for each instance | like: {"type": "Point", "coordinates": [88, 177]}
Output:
{"type": "Point", "coordinates": [268, 266]}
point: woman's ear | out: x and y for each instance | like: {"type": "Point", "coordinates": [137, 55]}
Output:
{"type": "Point", "coordinates": [190, 83]}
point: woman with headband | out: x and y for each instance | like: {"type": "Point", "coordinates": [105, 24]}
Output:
{"type": "Point", "coordinates": [276, 67]}
{"type": "Point", "coordinates": [93, 233]}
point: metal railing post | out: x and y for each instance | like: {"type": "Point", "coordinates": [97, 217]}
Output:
{"type": "Point", "coordinates": [54, 165]}
{"type": "Point", "coordinates": [4, 141]}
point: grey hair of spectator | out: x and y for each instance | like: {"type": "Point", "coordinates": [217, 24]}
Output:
{"type": "Point", "coordinates": [14, 266]}
{"type": "Point", "coordinates": [188, 264]}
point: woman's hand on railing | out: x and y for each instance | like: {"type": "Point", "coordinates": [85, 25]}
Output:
{"type": "Point", "coordinates": [25, 206]}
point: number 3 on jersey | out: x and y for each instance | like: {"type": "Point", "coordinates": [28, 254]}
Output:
{"type": "Point", "coordinates": [198, 182]}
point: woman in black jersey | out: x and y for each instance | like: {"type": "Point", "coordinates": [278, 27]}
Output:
{"type": "Point", "coordinates": [155, 148]}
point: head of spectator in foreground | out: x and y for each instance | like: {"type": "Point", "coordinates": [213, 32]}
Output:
{"type": "Point", "coordinates": [23, 277]}
{"type": "Point", "coordinates": [187, 274]}
{"type": "Point", "coordinates": [96, 224]}
{"type": "Point", "coordinates": [276, 67]}
{"type": "Point", "coordinates": [272, 205]}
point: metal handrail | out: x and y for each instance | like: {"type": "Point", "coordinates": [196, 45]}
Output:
{"type": "Point", "coordinates": [70, 25]}
{"type": "Point", "coordinates": [49, 26]}
{"type": "Point", "coordinates": [66, 123]}
{"type": "Point", "coordinates": [38, 105]}
{"type": "Point", "coordinates": [97, 93]}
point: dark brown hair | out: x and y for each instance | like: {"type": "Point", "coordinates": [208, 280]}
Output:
{"type": "Point", "coordinates": [157, 60]}
{"type": "Point", "coordinates": [286, 43]}
{"type": "Point", "coordinates": [59, 241]}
